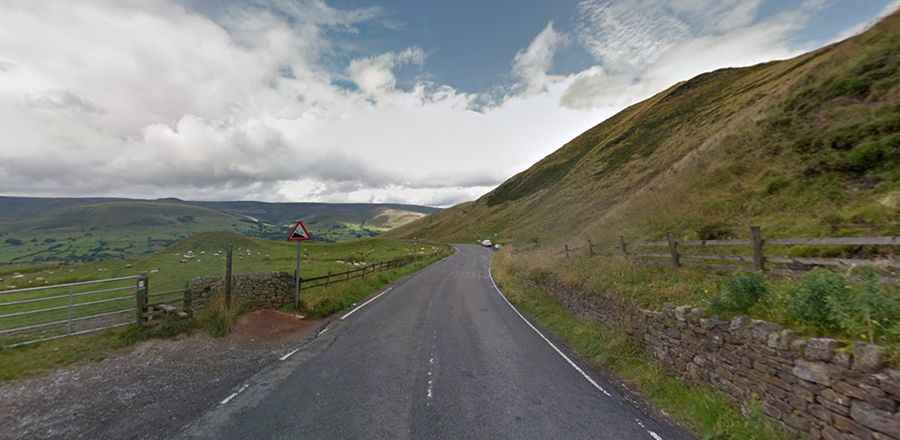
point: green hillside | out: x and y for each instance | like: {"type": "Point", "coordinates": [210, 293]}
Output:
{"type": "Point", "coordinates": [808, 146]}
{"type": "Point", "coordinates": [71, 229]}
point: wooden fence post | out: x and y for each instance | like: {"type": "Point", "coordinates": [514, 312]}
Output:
{"type": "Point", "coordinates": [759, 259]}
{"type": "Point", "coordinates": [188, 305]}
{"type": "Point", "coordinates": [567, 250]}
{"type": "Point", "coordinates": [327, 279]}
{"type": "Point", "coordinates": [623, 246]}
{"type": "Point", "coordinates": [673, 249]}
{"type": "Point", "coordinates": [142, 287]}
{"type": "Point", "coordinates": [590, 248]}
{"type": "Point", "coordinates": [228, 263]}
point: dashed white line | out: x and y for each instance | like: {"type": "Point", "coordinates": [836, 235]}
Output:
{"type": "Point", "coordinates": [652, 434]}
{"type": "Point", "coordinates": [234, 394]}
{"type": "Point", "coordinates": [558, 351]}
{"type": "Point", "coordinates": [365, 303]}
{"type": "Point", "coordinates": [290, 353]}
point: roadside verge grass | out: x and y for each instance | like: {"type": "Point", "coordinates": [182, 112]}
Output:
{"type": "Point", "coordinates": [705, 411]}
{"type": "Point", "coordinates": [323, 302]}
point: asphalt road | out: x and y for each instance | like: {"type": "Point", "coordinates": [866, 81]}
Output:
{"type": "Point", "coordinates": [441, 355]}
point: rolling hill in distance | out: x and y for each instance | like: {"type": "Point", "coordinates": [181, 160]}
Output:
{"type": "Point", "coordinates": [87, 229]}
{"type": "Point", "coordinates": [804, 146]}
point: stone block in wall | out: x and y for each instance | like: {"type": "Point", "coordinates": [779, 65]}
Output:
{"type": "Point", "coordinates": [760, 330]}
{"type": "Point", "coordinates": [817, 372]}
{"type": "Point", "coordinates": [889, 382]}
{"type": "Point", "coordinates": [835, 397]}
{"type": "Point", "coordinates": [879, 420]}
{"type": "Point", "coordinates": [868, 358]}
{"type": "Point", "coordinates": [820, 349]}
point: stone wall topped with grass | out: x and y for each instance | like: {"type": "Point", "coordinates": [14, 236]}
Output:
{"type": "Point", "coordinates": [817, 387]}
{"type": "Point", "coordinates": [262, 289]}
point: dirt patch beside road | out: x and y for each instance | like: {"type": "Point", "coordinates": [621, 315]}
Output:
{"type": "Point", "coordinates": [268, 326]}
{"type": "Point", "coordinates": [151, 390]}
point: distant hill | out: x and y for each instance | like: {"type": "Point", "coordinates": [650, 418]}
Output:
{"type": "Point", "coordinates": [809, 145]}
{"type": "Point", "coordinates": [41, 229]}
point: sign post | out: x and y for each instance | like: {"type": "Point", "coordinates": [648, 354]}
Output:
{"type": "Point", "coordinates": [299, 234]}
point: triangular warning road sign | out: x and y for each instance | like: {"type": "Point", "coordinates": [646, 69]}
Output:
{"type": "Point", "coordinates": [299, 232]}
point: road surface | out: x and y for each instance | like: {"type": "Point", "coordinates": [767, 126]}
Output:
{"type": "Point", "coordinates": [441, 355]}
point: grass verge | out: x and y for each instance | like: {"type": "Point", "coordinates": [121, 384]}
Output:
{"type": "Point", "coordinates": [705, 411]}
{"type": "Point", "coordinates": [852, 305]}
{"type": "Point", "coordinates": [37, 359]}
{"type": "Point", "coordinates": [323, 302]}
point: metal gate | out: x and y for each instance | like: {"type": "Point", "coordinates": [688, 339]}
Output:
{"type": "Point", "coordinates": [44, 313]}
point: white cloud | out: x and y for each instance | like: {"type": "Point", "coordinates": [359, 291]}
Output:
{"type": "Point", "coordinates": [150, 99]}
{"type": "Point", "coordinates": [532, 64]}
{"type": "Point", "coordinates": [375, 75]}
{"type": "Point", "coordinates": [128, 98]}
{"type": "Point", "coordinates": [645, 49]}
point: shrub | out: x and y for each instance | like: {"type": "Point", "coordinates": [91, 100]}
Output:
{"type": "Point", "coordinates": [715, 231]}
{"type": "Point", "coordinates": [739, 293]}
{"type": "Point", "coordinates": [855, 87]}
{"type": "Point", "coordinates": [867, 156]}
{"type": "Point", "coordinates": [813, 300]}
{"type": "Point", "coordinates": [776, 184]}
{"type": "Point", "coordinates": [218, 319]}
{"type": "Point", "coordinates": [869, 312]}
{"type": "Point", "coordinates": [541, 277]}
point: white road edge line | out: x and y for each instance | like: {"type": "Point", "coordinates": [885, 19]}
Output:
{"type": "Point", "coordinates": [324, 330]}
{"type": "Point", "coordinates": [234, 394]}
{"type": "Point", "coordinates": [366, 303]}
{"type": "Point", "coordinates": [558, 351]}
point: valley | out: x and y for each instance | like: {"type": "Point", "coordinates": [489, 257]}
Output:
{"type": "Point", "coordinates": [34, 230]}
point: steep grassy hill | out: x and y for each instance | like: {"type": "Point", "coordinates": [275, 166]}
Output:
{"type": "Point", "coordinates": [71, 229]}
{"type": "Point", "coordinates": [809, 145]}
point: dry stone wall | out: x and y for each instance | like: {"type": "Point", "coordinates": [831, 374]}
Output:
{"type": "Point", "coordinates": [819, 388]}
{"type": "Point", "coordinates": [263, 289]}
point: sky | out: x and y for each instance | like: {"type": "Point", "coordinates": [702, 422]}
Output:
{"type": "Point", "coordinates": [397, 101]}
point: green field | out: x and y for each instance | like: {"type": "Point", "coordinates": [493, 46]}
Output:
{"type": "Point", "coordinates": [201, 255]}
{"type": "Point", "coordinates": [37, 230]}
{"type": "Point", "coordinates": [39, 358]}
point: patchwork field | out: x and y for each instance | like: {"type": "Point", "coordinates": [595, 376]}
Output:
{"type": "Point", "coordinates": [83, 230]}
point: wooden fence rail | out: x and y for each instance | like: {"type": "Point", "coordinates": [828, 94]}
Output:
{"type": "Point", "coordinates": [759, 254]}
{"type": "Point", "coordinates": [189, 303]}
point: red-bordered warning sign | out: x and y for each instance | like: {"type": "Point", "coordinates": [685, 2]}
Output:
{"type": "Point", "coordinates": [299, 232]}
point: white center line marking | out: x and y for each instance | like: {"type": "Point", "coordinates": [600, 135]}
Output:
{"type": "Point", "coordinates": [573, 364]}
{"type": "Point", "coordinates": [291, 353]}
{"type": "Point", "coordinates": [234, 394]}
{"type": "Point", "coordinates": [365, 303]}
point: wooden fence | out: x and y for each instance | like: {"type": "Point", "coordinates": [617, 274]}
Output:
{"type": "Point", "coordinates": [759, 255]}
{"type": "Point", "coordinates": [152, 305]}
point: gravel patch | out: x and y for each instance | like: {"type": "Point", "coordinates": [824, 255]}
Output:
{"type": "Point", "coordinates": [146, 392]}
